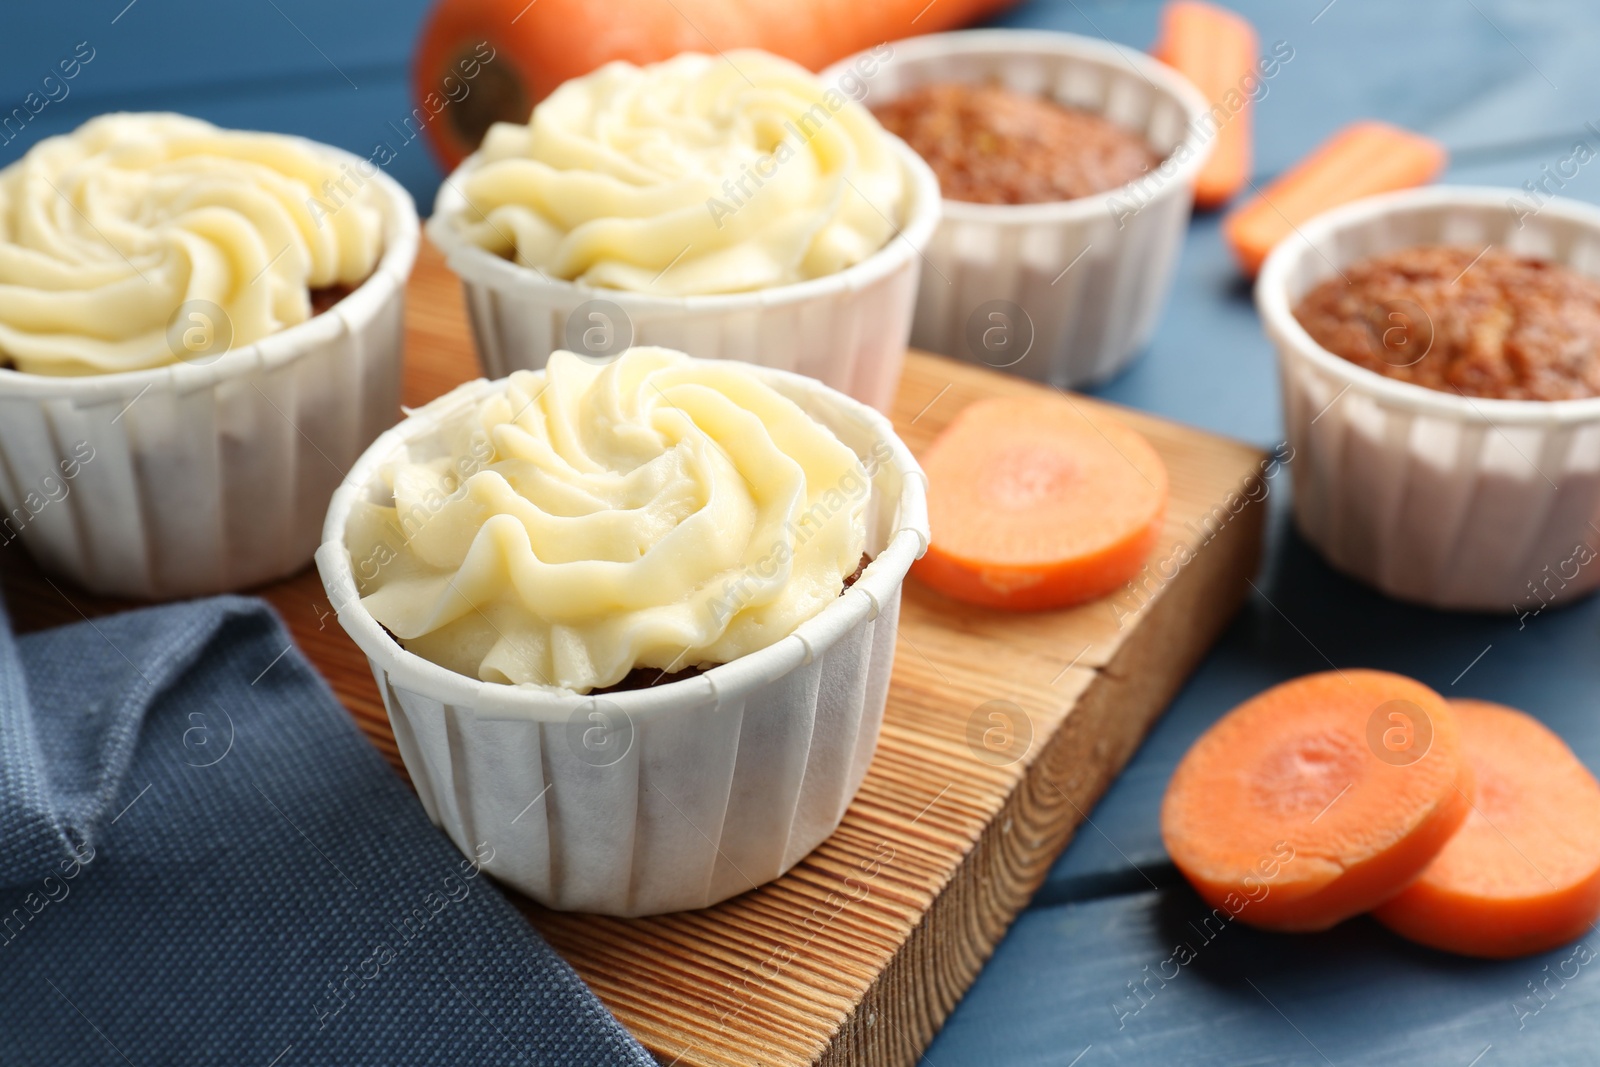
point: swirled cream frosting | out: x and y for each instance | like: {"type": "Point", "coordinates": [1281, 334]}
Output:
{"type": "Point", "coordinates": [141, 239]}
{"type": "Point", "coordinates": [656, 512]}
{"type": "Point", "coordinates": [698, 175]}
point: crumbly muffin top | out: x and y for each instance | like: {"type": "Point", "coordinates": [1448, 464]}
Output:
{"type": "Point", "coordinates": [990, 145]}
{"type": "Point", "coordinates": [1463, 320]}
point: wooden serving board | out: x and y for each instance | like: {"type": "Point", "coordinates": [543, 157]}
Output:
{"type": "Point", "coordinates": [857, 955]}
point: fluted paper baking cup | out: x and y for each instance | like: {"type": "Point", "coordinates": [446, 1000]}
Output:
{"type": "Point", "coordinates": [1446, 500]}
{"type": "Point", "coordinates": [1091, 274]}
{"type": "Point", "coordinates": [661, 799]}
{"type": "Point", "coordinates": [193, 479]}
{"type": "Point", "coordinates": [848, 330]}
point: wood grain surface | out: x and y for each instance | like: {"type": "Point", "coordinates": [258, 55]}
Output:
{"type": "Point", "coordinates": [858, 954]}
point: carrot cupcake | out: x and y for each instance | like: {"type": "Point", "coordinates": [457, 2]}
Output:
{"type": "Point", "coordinates": [214, 317]}
{"type": "Point", "coordinates": [662, 583]}
{"type": "Point", "coordinates": [1441, 372]}
{"type": "Point", "coordinates": [715, 203]}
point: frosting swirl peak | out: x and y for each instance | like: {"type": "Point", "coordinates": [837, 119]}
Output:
{"type": "Point", "coordinates": [582, 521]}
{"type": "Point", "coordinates": [109, 232]}
{"type": "Point", "coordinates": [698, 175]}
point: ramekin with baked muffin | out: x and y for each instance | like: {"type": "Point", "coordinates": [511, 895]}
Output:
{"type": "Point", "coordinates": [724, 205]}
{"type": "Point", "coordinates": [1068, 169]}
{"type": "Point", "coordinates": [1440, 355]}
{"type": "Point", "coordinates": [200, 330]}
{"type": "Point", "coordinates": [633, 622]}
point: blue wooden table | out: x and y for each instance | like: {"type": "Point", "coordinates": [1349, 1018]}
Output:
{"type": "Point", "coordinates": [1508, 86]}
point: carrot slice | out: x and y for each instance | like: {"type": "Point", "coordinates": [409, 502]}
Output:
{"type": "Point", "coordinates": [1522, 875]}
{"type": "Point", "coordinates": [1360, 160]}
{"type": "Point", "coordinates": [1036, 503]}
{"type": "Point", "coordinates": [1218, 51]}
{"type": "Point", "coordinates": [1317, 799]}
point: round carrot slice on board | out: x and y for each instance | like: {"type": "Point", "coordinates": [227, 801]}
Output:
{"type": "Point", "coordinates": [1037, 502]}
{"type": "Point", "coordinates": [1318, 799]}
{"type": "Point", "coordinates": [1522, 874]}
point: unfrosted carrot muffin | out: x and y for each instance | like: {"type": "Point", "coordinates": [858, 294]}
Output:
{"type": "Point", "coordinates": [1489, 324]}
{"type": "Point", "coordinates": [1443, 410]}
{"type": "Point", "coordinates": [992, 145]}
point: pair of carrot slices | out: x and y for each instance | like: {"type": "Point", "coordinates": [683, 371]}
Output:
{"type": "Point", "coordinates": [1462, 825]}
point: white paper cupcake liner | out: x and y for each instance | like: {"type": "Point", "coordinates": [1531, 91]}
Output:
{"type": "Point", "coordinates": [660, 799]}
{"type": "Point", "coordinates": [1433, 497]}
{"type": "Point", "coordinates": [204, 479]}
{"type": "Point", "coordinates": [848, 330]}
{"type": "Point", "coordinates": [1091, 274]}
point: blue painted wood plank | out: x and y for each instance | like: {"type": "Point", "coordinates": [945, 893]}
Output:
{"type": "Point", "coordinates": [1158, 978]}
{"type": "Point", "coordinates": [167, 46]}
{"type": "Point", "coordinates": [338, 73]}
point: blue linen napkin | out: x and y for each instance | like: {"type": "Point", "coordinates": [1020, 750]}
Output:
{"type": "Point", "coordinates": [203, 862]}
